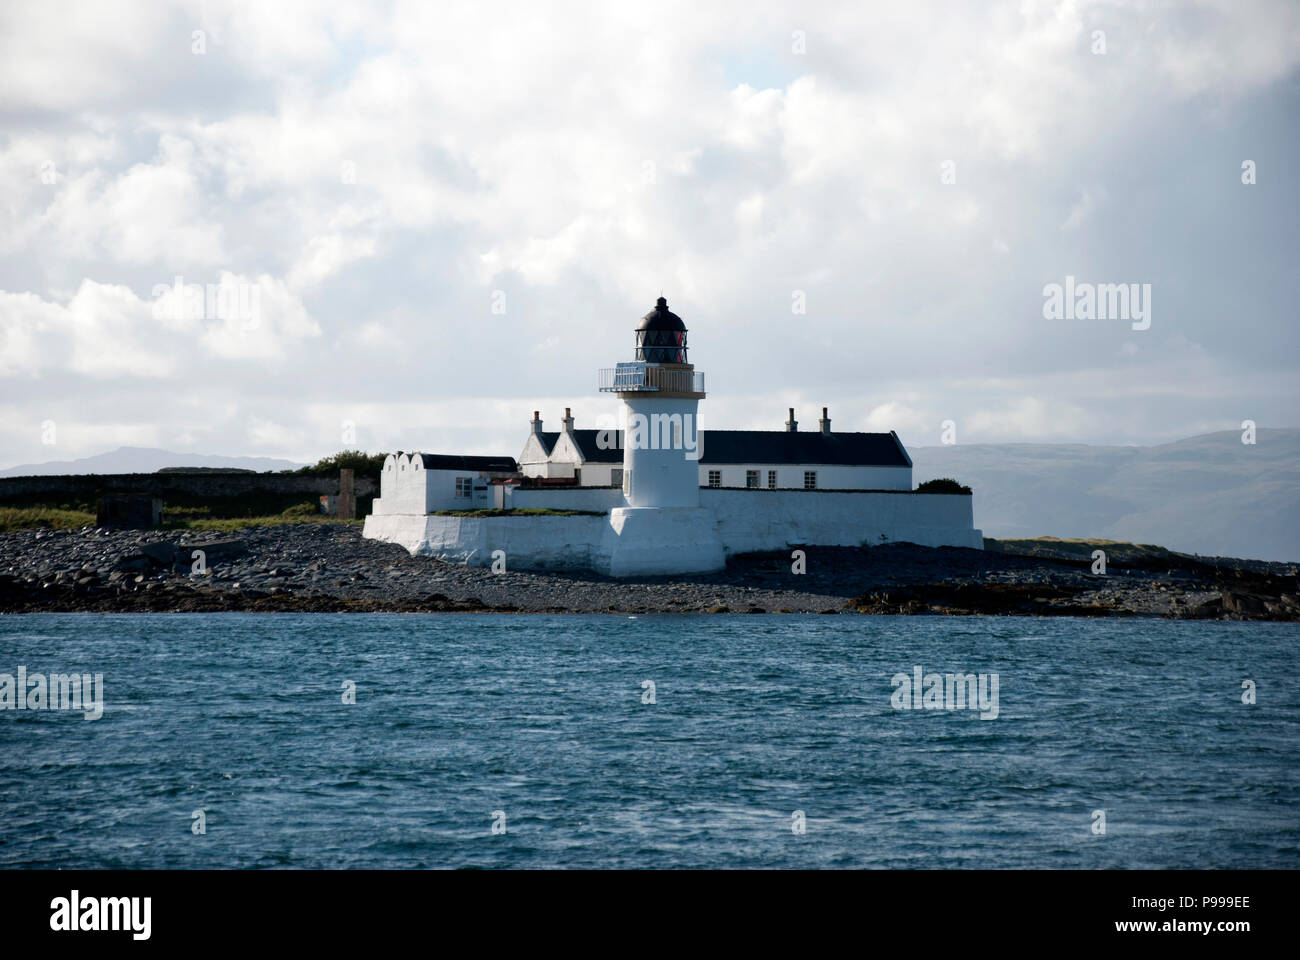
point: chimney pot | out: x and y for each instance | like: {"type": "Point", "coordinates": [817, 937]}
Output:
{"type": "Point", "coordinates": [825, 423]}
{"type": "Point", "coordinates": [791, 425]}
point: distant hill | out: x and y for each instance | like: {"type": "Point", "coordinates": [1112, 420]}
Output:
{"type": "Point", "coordinates": [1211, 494]}
{"type": "Point", "coordinates": [144, 460]}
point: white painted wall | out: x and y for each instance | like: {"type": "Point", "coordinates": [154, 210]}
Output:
{"type": "Point", "coordinates": [828, 477]}
{"type": "Point", "coordinates": [600, 474]}
{"type": "Point", "coordinates": [742, 522]}
{"type": "Point", "coordinates": [538, 543]}
{"type": "Point", "coordinates": [563, 498]}
{"type": "Point", "coordinates": [753, 520]}
{"type": "Point", "coordinates": [533, 460]}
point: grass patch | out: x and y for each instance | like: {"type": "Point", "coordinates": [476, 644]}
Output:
{"type": "Point", "coordinates": [227, 516]}
{"type": "Point", "coordinates": [1117, 551]}
{"type": "Point", "coordinates": [183, 518]}
{"type": "Point", "coordinates": [28, 518]}
{"type": "Point", "coordinates": [228, 524]}
{"type": "Point", "coordinates": [522, 512]}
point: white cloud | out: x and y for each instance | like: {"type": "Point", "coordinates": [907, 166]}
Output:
{"type": "Point", "coordinates": [582, 159]}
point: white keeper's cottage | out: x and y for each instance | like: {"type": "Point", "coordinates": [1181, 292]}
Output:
{"type": "Point", "coordinates": [657, 494]}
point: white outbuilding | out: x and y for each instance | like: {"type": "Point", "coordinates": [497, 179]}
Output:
{"type": "Point", "coordinates": [421, 483]}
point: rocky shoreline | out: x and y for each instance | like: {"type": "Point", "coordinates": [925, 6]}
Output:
{"type": "Point", "coordinates": [329, 567]}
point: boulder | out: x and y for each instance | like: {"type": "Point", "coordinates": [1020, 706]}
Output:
{"type": "Point", "coordinates": [160, 551]}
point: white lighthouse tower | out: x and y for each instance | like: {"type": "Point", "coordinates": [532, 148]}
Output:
{"type": "Point", "coordinates": [663, 528]}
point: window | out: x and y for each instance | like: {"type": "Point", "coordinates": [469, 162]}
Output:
{"type": "Point", "coordinates": [715, 478]}
{"type": "Point", "coordinates": [771, 479]}
{"type": "Point", "coordinates": [616, 477]}
{"type": "Point", "coordinates": [810, 479]}
{"type": "Point", "coordinates": [464, 487]}
{"type": "Point", "coordinates": [751, 479]}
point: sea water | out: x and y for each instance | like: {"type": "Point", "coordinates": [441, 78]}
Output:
{"type": "Point", "coordinates": [345, 741]}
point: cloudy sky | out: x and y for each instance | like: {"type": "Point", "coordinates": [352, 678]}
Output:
{"type": "Point", "coordinates": [449, 215]}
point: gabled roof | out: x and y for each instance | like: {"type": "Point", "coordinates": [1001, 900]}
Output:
{"type": "Point", "coordinates": [781, 446]}
{"type": "Point", "coordinates": [450, 461]}
{"type": "Point", "coordinates": [767, 446]}
{"type": "Point", "coordinates": [548, 441]}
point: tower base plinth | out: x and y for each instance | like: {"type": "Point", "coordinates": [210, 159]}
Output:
{"type": "Point", "coordinates": [652, 541]}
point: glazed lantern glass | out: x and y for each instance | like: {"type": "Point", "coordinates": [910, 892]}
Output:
{"type": "Point", "coordinates": [661, 336]}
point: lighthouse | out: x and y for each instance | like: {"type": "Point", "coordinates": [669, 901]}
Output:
{"type": "Point", "coordinates": [662, 528]}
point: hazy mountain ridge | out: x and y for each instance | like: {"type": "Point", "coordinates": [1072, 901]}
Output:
{"type": "Point", "coordinates": [144, 460]}
{"type": "Point", "coordinates": [1209, 494]}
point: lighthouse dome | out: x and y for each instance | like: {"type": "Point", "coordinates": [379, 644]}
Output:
{"type": "Point", "coordinates": [661, 336]}
{"type": "Point", "coordinates": [661, 318]}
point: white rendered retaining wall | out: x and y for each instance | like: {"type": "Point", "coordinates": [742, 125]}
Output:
{"type": "Point", "coordinates": [753, 520]}
{"type": "Point", "coordinates": [536, 543]}
{"type": "Point", "coordinates": [745, 521]}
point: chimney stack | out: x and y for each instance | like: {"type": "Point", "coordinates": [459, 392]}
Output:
{"type": "Point", "coordinates": [825, 422]}
{"type": "Point", "coordinates": [792, 424]}
{"type": "Point", "coordinates": [567, 421]}
{"type": "Point", "coordinates": [536, 423]}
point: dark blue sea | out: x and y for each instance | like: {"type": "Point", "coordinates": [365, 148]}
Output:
{"type": "Point", "coordinates": [538, 725]}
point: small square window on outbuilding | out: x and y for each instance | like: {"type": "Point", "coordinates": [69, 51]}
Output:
{"type": "Point", "coordinates": [464, 487]}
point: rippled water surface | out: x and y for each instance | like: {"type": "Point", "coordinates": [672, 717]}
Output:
{"type": "Point", "coordinates": [755, 717]}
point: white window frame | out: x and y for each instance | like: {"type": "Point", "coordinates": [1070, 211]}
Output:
{"type": "Point", "coordinates": [771, 479]}
{"type": "Point", "coordinates": [467, 484]}
{"type": "Point", "coordinates": [810, 479]}
{"type": "Point", "coordinates": [715, 478]}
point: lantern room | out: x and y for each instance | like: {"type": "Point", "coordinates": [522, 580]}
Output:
{"type": "Point", "coordinates": [661, 336]}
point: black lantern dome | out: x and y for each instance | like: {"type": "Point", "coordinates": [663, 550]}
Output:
{"type": "Point", "coordinates": [661, 336]}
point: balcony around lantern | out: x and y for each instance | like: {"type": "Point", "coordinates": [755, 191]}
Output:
{"type": "Point", "coordinates": [635, 377]}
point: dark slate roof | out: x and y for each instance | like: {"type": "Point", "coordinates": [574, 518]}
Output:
{"type": "Point", "coordinates": [661, 318]}
{"type": "Point", "coordinates": [811, 447]}
{"type": "Point", "coordinates": [591, 451]}
{"type": "Point", "coordinates": [771, 446]}
{"type": "Point", "coordinates": [587, 447]}
{"type": "Point", "coordinates": [451, 461]}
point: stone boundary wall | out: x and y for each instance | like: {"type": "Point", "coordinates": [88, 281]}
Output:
{"type": "Point", "coordinates": [213, 484]}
